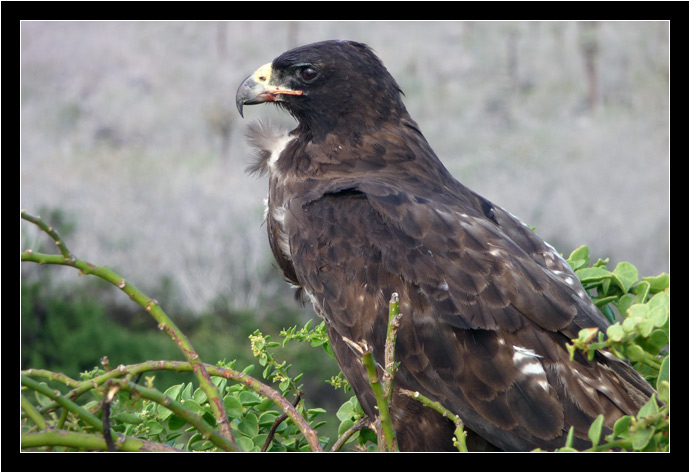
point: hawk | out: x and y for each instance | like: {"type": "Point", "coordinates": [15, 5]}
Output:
{"type": "Point", "coordinates": [359, 207]}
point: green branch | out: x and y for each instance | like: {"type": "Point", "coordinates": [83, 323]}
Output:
{"type": "Point", "coordinates": [460, 435]}
{"type": "Point", "coordinates": [64, 438]}
{"type": "Point", "coordinates": [182, 366]}
{"type": "Point", "coordinates": [383, 391]}
{"type": "Point", "coordinates": [79, 411]}
{"type": "Point", "coordinates": [149, 304]}
{"type": "Point", "coordinates": [389, 443]}
{"type": "Point", "coordinates": [32, 413]}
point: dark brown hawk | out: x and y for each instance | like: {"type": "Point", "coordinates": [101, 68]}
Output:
{"type": "Point", "coordinates": [359, 207]}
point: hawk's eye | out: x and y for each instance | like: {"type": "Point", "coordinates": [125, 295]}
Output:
{"type": "Point", "coordinates": [308, 74]}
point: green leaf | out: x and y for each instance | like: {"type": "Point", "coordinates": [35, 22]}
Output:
{"type": "Point", "coordinates": [594, 433]}
{"type": "Point", "coordinates": [328, 349]}
{"type": "Point", "coordinates": [601, 302]}
{"type": "Point", "coordinates": [153, 427]}
{"type": "Point", "coordinates": [220, 383]}
{"type": "Point", "coordinates": [264, 405]}
{"type": "Point", "coordinates": [658, 315]}
{"type": "Point", "coordinates": [576, 264]}
{"type": "Point", "coordinates": [664, 391]}
{"type": "Point", "coordinates": [645, 327]}
{"type": "Point", "coordinates": [173, 392]}
{"type": "Point", "coordinates": [367, 434]}
{"type": "Point", "coordinates": [207, 415]}
{"type": "Point", "coordinates": [657, 339]}
{"type": "Point", "coordinates": [267, 418]}
{"type": "Point", "coordinates": [625, 302]}
{"type": "Point", "coordinates": [175, 423]}
{"type": "Point", "coordinates": [641, 291]}
{"type": "Point", "coordinates": [621, 426]}
{"type": "Point", "coordinates": [249, 426]}
{"type": "Point", "coordinates": [601, 263]}
{"type": "Point", "coordinates": [249, 398]}
{"type": "Point", "coordinates": [641, 437]}
{"type": "Point", "coordinates": [587, 334]}
{"type": "Point", "coordinates": [657, 283]}
{"type": "Point", "coordinates": [662, 382]}
{"type": "Point", "coordinates": [244, 443]}
{"type": "Point", "coordinates": [608, 313]}
{"type": "Point", "coordinates": [626, 275]}
{"type": "Point", "coordinates": [660, 299]}
{"type": "Point", "coordinates": [615, 332]}
{"type": "Point", "coordinates": [634, 315]}
{"type": "Point", "coordinates": [259, 442]}
{"type": "Point", "coordinates": [579, 258]}
{"type": "Point", "coordinates": [193, 406]}
{"type": "Point", "coordinates": [567, 450]}
{"type": "Point", "coordinates": [571, 350]}
{"type": "Point", "coordinates": [635, 353]}
{"type": "Point", "coordinates": [346, 411]}
{"type": "Point", "coordinates": [344, 425]}
{"type": "Point", "coordinates": [659, 305]}
{"type": "Point", "coordinates": [569, 438]}
{"type": "Point", "coordinates": [199, 396]}
{"type": "Point", "coordinates": [591, 275]}
{"type": "Point", "coordinates": [202, 446]}
{"type": "Point", "coordinates": [129, 418]}
{"type": "Point", "coordinates": [233, 406]}
{"type": "Point", "coordinates": [650, 407]}
{"type": "Point", "coordinates": [186, 392]}
{"type": "Point", "coordinates": [316, 411]}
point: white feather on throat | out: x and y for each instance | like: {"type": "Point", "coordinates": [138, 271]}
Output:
{"type": "Point", "coordinates": [268, 140]}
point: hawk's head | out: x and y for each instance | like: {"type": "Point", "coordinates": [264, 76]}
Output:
{"type": "Point", "coordinates": [326, 85]}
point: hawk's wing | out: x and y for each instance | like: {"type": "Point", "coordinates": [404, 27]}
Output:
{"type": "Point", "coordinates": [487, 308]}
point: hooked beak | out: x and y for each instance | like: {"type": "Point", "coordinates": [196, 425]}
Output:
{"type": "Point", "coordinates": [258, 88]}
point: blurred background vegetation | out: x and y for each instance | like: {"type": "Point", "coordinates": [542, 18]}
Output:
{"type": "Point", "coordinates": [132, 148]}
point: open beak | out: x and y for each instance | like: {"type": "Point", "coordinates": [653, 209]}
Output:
{"type": "Point", "coordinates": [258, 88]}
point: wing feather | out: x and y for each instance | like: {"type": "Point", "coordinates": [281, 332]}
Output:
{"type": "Point", "coordinates": [472, 299]}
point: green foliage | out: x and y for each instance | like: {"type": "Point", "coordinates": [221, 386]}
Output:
{"type": "Point", "coordinates": [251, 414]}
{"type": "Point", "coordinates": [317, 337]}
{"type": "Point", "coordinates": [640, 334]}
{"type": "Point", "coordinates": [349, 415]}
